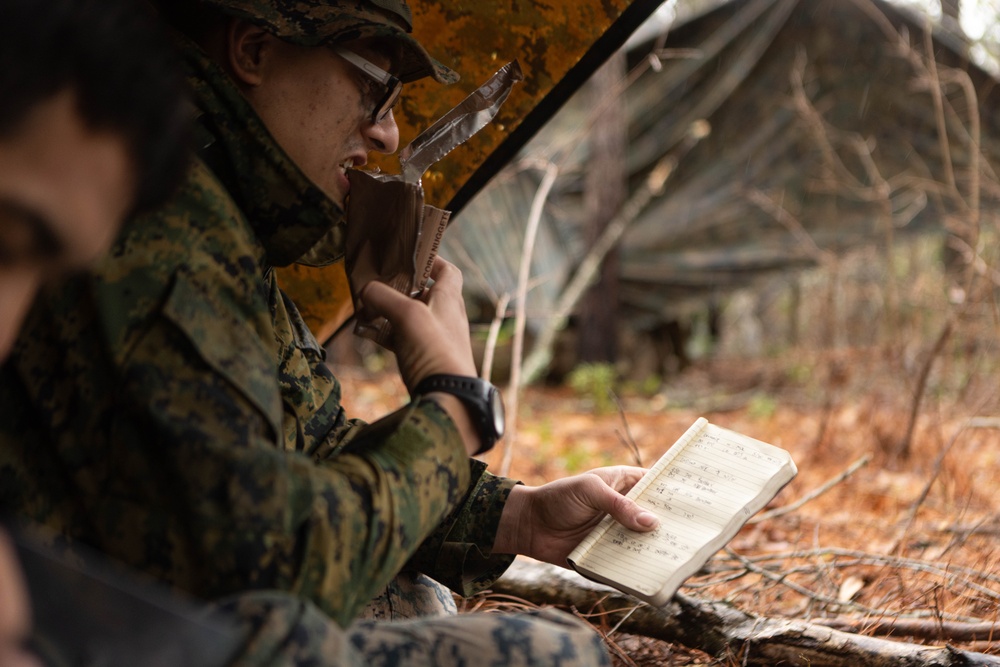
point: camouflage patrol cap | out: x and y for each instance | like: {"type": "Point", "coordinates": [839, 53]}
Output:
{"type": "Point", "coordinates": [317, 22]}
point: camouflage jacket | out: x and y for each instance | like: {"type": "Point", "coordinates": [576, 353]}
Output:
{"type": "Point", "coordinates": [172, 409]}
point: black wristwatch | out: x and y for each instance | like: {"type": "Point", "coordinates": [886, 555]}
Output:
{"type": "Point", "coordinates": [481, 398]}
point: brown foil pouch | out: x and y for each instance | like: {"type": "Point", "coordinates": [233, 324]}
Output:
{"type": "Point", "coordinates": [392, 236]}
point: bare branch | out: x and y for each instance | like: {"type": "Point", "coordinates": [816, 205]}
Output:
{"type": "Point", "coordinates": [520, 310]}
{"type": "Point", "coordinates": [812, 495]}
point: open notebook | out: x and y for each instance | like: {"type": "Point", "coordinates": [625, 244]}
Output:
{"type": "Point", "coordinates": [703, 489]}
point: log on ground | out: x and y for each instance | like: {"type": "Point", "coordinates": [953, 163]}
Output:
{"type": "Point", "coordinates": [722, 630]}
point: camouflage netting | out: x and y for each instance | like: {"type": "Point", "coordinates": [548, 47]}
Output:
{"type": "Point", "coordinates": [822, 137]}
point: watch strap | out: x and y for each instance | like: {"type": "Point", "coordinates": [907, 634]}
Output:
{"type": "Point", "coordinates": [469, 390]}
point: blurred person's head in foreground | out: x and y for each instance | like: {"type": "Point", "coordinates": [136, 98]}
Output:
{"type": "Point", "coordinates": [92, 128]}
{"type": "Point", "coordinates": [93, 124]}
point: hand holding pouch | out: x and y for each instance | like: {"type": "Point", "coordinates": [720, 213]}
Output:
{"type": "Point", "coordinates": [392, 235]}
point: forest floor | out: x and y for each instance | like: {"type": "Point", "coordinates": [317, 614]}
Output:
{"type": "Point", "coordinates": [909, 532]}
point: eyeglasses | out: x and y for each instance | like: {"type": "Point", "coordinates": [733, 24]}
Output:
{"type": "Point", "coordinates": [393, 86]}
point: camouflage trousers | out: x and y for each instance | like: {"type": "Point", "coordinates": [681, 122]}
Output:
{"type": "Point", "coordinates": [281, 629]}
{"type": "Point", "coordinates": [410, 595]}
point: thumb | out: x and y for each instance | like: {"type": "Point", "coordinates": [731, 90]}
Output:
{"type": "Point", "coordinates": [625, 511]}
{"type": "Point", "coordinates": [380, 299]}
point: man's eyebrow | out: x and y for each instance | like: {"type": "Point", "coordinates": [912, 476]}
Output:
{"type": "Point", "coordinates": [44, 240]}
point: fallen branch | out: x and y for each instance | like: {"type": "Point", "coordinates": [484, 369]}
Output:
{"type": "Point", "coordinates": [724, 631]}
{"type": "Point", "coordinates": [930, 629]}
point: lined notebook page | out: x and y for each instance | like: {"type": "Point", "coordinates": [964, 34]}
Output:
{"type": "Point", "coordinates": [708, 477]}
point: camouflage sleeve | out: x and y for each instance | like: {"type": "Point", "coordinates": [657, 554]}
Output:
{"type": "Point", "coordinates": [203, 480]}
{"type": "Point", "coordinates": [458, 554]}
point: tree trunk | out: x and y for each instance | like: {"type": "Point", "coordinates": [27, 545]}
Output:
{"type": "Point", "coordinates": [606, 190]}
{"type": "Point", "coordinates": [724, 631]}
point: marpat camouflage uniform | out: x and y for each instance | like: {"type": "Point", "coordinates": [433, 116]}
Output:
{"type": "Point", "coordinates": [283, 630]}
{"type": "Point", "coordinates": [171, 409]}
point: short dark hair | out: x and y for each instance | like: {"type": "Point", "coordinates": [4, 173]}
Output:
{"type": "Point", "coordinates": [122, 66]}
{"type": "Point", "coordinates": [192, 18]}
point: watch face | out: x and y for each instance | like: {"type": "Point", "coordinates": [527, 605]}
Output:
{"type": "Point", "coordinates": [496, 403]}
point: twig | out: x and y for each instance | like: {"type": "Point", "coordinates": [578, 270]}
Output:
{"type": "Point", "coordinates": [935, 472]}
{"type": "Point", "coordinates": [792, 224]}
{"type": "Point", "coordinates": [782, 579]}
{"type": "Point", "coordinates": [974, 259]}
{"type": "Point", "coordinates": [520, 311]}
{"type": "Point", "coordinates": [935, 89]}
{"type": "Point", "coordinates": [903, 448]}
{"type": "Point", "coordinates": [985, 526]}
{"type": "Point", "coordinates": [952, 577]}
{"type": "Point", "coordinates": [830, 602]}
{"type": "Point", "coordinates": [627, 439]}
{"type": "Point", "coordinates": [953, 631]}
{"type": "Point", "coordinates": [866, 558]}
{"type": "Point", "coordinates": [623, 619]}
{"type": "Point", "coordinates": [617, 650]}
{"type": "Point", "coordinates": [494, 334]}
{"type": "Point", "coordinates": [812, 495]}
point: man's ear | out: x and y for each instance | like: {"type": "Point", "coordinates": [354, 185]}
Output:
{"type": "Point", "coordinates": [247, 48]}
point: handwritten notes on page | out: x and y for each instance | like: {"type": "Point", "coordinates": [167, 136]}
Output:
{"type": "Point", "coordinates": [703, 489]}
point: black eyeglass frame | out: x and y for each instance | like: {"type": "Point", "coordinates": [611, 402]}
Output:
{"type": "Point", "coordinates": [393, 86]}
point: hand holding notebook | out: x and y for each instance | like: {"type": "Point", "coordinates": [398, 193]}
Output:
{"type": "Point", "coordinates": [702, 490]}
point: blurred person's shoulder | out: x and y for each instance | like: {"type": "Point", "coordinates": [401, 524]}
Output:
{"type": "Point", "coordinates": [194, 260]}
{"type": "Point", "coordinates": [200, 230]}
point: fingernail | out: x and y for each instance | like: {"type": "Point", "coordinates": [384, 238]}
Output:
{"type": "Point", "coordinates": [647, 519]}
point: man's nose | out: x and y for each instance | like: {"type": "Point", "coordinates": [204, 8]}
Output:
{"type": "Point", "coordinates": [382, 136]}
